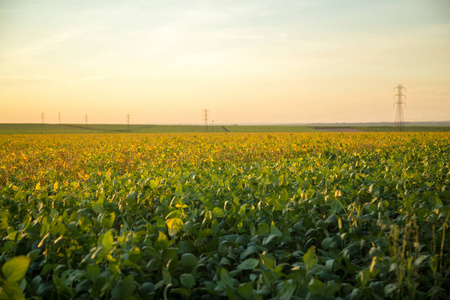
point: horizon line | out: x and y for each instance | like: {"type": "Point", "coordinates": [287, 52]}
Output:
{"type": "Point", "coordinates": [227, 124]}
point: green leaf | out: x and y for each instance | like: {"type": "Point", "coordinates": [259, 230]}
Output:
{"type": "Point", "coordinates": [85, 285]}
{"type": "Point", "coordinates": [15, 268]}
{"type": "Point", "coordinates": [98, 206]}
{"type": "Point", "coordinates": [189, 261]}
{"type": "Point", "coordinates": [315, 286]}
{"type": "Point", "coordinates": [179, 190]}
{"type": "Point", "coordinates": [167, 278]}
{"type": "Point", "coordinates": [162, 242]}
{"type": "Point", "coordinates": [153, 184]}
{"type": "Point", "coordinates": [363, 277]}
{"type": "Point", "coordinates": [310, 258]}
{"type": "Point", "coordinates": [187, 280]}
{"type": "Point", "coordinates": [3, 295]}
{"type": "Point", "coordinates": [225, 276]}
{"type": "Point", "coordinates": [185, 246]}
{"type": "Point", "coordinates": [132, 197]}
{"type": "Point", "coordinates": [249, 251]}
{"type": "Point", "coordinates": [107, 240]}
{"type": "Point", "coordinates": [245, 290]}
{"type": "Point", "coordinates": [124, 288]}
{"type": "Point", "coordinates": [332, 288]}
{"type": "Point", "coordinates": [174, 225]}
{"type": "Point", "coordinates": [267, 261]}
{"type": "Point", "coordinates": [241, 212]}
{"type": "Point", "coordinates": [229, 292]}
{"type": "Point", "coordinates": [92, 272]}
{"type": "Point", "coordinates": [275, 231]}
{"type": "Point", "coordinates": [173, 214]}
{"type": "Point", "coordinates": [248, 264]}
{"type": "Point", "coordinates": [269, 239]}
{"type": "Point", "coordinates": [337, 206]}
{"type": "Point", "coordinates": [108, 220]}
{"type": "Point", "coordinates": [10, 290]}
{"type": "Point", "coordinates": [217, 212]}
{"type": "Point", "coordinates": [329, 264]}
{"type": "Point", "coordinates": [287, 289]}
{"type": "Point", "coordinates": [114, 267]}
{"type": "Point", "coordinates": [146, 288]}
{"type": "Point", "coordinates": [129, 263]}
{"type": "Point", "coordinates": [326, 242]}
{"type": "Point", "coordinates": [204, 233]}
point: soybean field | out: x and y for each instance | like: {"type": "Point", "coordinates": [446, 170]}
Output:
{"type": "Point", "coordinates": [225, 215]}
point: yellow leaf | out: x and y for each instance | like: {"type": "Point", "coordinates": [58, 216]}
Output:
{"type": "Point", "coordinates": [174, 225]}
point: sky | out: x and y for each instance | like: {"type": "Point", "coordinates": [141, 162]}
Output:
{"type": "Point", "coordinates": [246, 62]}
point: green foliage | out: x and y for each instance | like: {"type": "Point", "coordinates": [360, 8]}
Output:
{"type": "Point", "coordinates": [239, 216]}
{"type": "Point", "coordinates": [13, 271]}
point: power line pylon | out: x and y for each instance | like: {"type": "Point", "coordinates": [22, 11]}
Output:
{"type": "Point", "coordinates": [128, 122]}
{"type": "Point", "coordinates": [86, 118]}
{"type": "Point", "coordinates": [59, 118]}
{"type": "Point", "coordinates": [399, 97]}
{"type": "Point", "coordinates": [206, 119]}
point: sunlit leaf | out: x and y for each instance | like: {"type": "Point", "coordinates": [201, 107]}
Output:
{"type": "Point", "coordinates": [14, 269]}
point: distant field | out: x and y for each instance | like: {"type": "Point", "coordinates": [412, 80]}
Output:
{"type": "Point", "coordinates": [406, 128]}
{"type": "Point", "coordinates": [112, 128]}
{"type": "Point", "coordinates": [97, 128]}
{"type": "Point", "coordinates": [273, 128]}
{"type": "Point", "coordinates": [120, 128]}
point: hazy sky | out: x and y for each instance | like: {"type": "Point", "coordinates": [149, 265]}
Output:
{"type": "Point", "coordinates": [264, 61]}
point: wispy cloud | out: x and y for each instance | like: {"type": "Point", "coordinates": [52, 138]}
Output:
{"type": "Point", "coordinates": [90, 78]}
{"type": "Point", "coordinates": [7, 10]}
{"type": "Point", "coordinates": [48, 44]}
{"type": "Point", "coordinates": [17, 80]}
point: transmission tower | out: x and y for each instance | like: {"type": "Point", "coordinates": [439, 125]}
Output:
{"type": "Point", "coordinates": [59, 118]}
{"type": "Point", "coordinates": [399, 96]}
{"type": "Point", "coordinates": [128, 122]}
{"type": "Point", "coordinates": [86, 118]}
{"type": "Point", "coordinates": [206, 119]}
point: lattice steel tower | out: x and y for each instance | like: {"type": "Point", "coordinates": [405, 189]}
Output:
{"type": "Point", "coordinates": [399, 97]}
